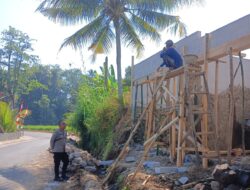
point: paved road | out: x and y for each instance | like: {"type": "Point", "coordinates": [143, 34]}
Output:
{"type": "Point", "coordinates": [24, 151]}
{"type": "Point", "coordinates": [16, 155]}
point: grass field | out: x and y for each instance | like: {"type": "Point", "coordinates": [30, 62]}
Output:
{"type": "Point", "coordinates": [45, 128]}
{"type": "Point", "coordinates": [48, 128]}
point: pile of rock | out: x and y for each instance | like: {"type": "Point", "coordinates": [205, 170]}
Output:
{"type": "Point", "coordinates": [227, 178]}
{"type": "Point", "coordinates": [80, 159]}
{"type": "Point", "coordinates": [82, 167]}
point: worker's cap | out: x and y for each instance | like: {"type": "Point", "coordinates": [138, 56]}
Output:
{"type": "Point", "coordinates": [169, 43]}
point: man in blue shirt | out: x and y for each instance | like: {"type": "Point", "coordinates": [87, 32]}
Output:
{"type": "Point", "coordinates": [171, 58]}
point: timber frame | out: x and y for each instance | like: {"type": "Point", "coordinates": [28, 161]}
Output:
{"type": "Point", "coordinates": [177, 105]}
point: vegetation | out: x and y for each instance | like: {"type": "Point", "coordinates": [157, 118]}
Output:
{"type": "Point", "coordinates": [122, 21]}
{"type": "Point", "coordinates": [7, 118]}
{"type": "Point", "coordinates": [48, 91]}
{"type": "Point", "coordinates": [96, 113]}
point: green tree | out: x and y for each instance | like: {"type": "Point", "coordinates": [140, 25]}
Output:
{"type": "Point", "coordinates": [115, 20]}
{"type": "Point", "coordinates": [16, 48]}
{"type": "Point", "coordinates": [127, 79]}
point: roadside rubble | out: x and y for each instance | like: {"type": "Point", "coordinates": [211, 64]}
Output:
{"type": "Point", "coordinates": [82, 168]}
{"type": "Point", "coordinates": [157, 172]}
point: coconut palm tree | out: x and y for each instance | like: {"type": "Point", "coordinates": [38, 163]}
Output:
{"type": "Point", "coordinates": [122, 21]}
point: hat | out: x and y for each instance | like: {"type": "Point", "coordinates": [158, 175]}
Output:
{"type": "Point", "coordinates": [169, 43]}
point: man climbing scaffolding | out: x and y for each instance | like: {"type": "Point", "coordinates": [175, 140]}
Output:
{"type": "Point", "coordinates": [171, 58]}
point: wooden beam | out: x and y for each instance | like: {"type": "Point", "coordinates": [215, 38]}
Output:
{"type": "Point", "coordinates": [237, 45]}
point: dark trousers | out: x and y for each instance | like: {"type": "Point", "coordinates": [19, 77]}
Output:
{"type": "Point", "coordinates": [58, 157]}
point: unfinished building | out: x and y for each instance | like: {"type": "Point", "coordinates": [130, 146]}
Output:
{"type": "Point", "coordinates": [201, 107]}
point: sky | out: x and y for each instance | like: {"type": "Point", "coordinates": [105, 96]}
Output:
{"type": "Point", "coordinates": [49, 36]}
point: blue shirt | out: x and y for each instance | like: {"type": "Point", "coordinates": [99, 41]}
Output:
{"type": "Point", "coordinates": [172, 54]}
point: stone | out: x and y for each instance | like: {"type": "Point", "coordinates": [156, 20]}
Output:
{"type": "Point", "coordinates": [130, 159]}
{"type": "Point", "coordinates": [90, 182]}
{"type": "Point", "coordinates": [221, 167]}
{"type": "Point", "coordinates": [165, 170]}
{"type": "Point", "coordinates": [90, 163]}
{"type": "Point", "coordinates": [232, 187]}
{"type": "Point", "coordinates": [90, 169]}
{"type": "Point", "coordinates": [182, 169]}
{"type": "Point", "coordinates": [199, 186]}
{"type": "Point", "coordinates": [183, 180]}
{"type": "Point", "coordinates": [77, 160]}
{"type": "Point", "coordinates": [76, 154]}
{"type": "Point", "coordinates": [83, 163]}
{"type": "Point", "coordinates": [71, 157]}
{"type": "Point", "coordinates": [151, 164]}
{"type": "Point", "coordinates": [189, 159]}
{"type": "Point", "coordinates": [215, 185]}
{"type": "Point", "coordinates": [226, 177]}
{"type": "Point", "coordinates": [243, 178]}
{"type": "Point", "coordinates": [105, 163]}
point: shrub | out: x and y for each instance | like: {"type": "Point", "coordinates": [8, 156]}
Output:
{"type": "Point", "coordinates": [95, 115]}
{"type": "Point", "coordinates": [7, 118]}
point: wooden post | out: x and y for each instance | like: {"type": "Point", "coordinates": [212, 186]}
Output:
{"type": "Point", "coordinates": [173, 129]}
{"type": "Point", "coordinates": [135, 104]}
{"type": "Point", "coordinates": [231, 108]}
{"type": "Point", "coordinates": [141, 98]}
{"type": "Point", "coordinates": [133, 99]}
{"type": "Point", "coordinates": [243, 105]}
{"type": "Point", "coordinates": [216, 111]}
{"type": "Point", "coordinates": [180, 151]}
{"type": "Point", "coordinates": [204, 127]}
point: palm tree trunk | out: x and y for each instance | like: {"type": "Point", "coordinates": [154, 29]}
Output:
{"type": "Point", "coordinates": [118, 63]}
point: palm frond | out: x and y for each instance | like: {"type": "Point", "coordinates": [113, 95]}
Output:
{"type": "Point", "coordinates": [157, 19]}
{"type": "Point", "coordinates": [129, 36]}
{"type": "Point", "coordinates": [103, 40]}
{"type": "Point", "coordinates": [178, 28]}
{"type": "Point", "coordinates": [161, 5]}
{"type": "Point", "coordinates": [144, 28]}
{"type": "Point", "coordinates": [86, 34]}
{"type": "Point", "coordinates": [69, 12]}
